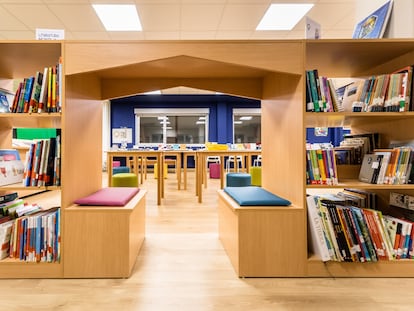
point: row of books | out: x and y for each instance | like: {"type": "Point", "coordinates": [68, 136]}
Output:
{"type": "Point", "coordinates": [343, 232]}
{"type": "Point", "coordinates": [43, 163]}
{"type": "Point", "coordinates": [28, 232]}
{"type": "Point", "coordinates": [390, 92]}
{"type": "Point", "coordinates": [39, 93]}
{"type": "Point", "coordinates": [393, 166]}
{"type": "Point", "coordinates": [321, 164]}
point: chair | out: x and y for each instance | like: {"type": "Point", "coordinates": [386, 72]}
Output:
{"type": "Point", "coordinates": [230, 160]}
{"type": "Point", "coordinates": [258, 161]}
{"type": "Point", "coordinates": [212, 159]}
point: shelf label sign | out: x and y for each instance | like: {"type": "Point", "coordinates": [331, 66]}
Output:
{"type": "Point", "coordinates": [50, 34]}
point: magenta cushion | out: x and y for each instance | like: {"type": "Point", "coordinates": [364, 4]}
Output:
{"type": "Point", "coordinates": [111, 196]}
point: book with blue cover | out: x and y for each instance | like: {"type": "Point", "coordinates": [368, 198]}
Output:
{"type": "Point", "coordinates": [373, 26]}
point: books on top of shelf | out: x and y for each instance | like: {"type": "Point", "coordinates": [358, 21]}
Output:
{"type": "Point", "coordinates": [373, 26]}
{"type": "Point", "coordinates": [40, 92]}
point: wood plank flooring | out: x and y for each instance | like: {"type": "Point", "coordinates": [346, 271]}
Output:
{"type": "Point", "coordinates": [183, 266]}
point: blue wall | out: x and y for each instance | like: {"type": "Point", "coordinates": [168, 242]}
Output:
{"type": "Point", "coordinates": [335, 136]}
{"type": "Point", "coordinates": [220, 119]}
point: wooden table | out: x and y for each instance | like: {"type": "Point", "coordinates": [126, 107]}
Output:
{"type": "Point", "coordinates": [201, 174]}
{"type": "Point", "coordinates": [139, 155]}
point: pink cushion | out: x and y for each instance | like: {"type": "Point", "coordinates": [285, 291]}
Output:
{"type": "Point", "coordinates": [116, 163]}
{"type": "Point", "coordinates": [111, 196]}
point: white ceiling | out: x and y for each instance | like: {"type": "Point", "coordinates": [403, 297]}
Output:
{"type": "Point", "coordinates": [169, 19]}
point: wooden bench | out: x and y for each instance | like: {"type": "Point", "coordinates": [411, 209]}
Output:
{"type": "Point", "coordinates": [255, 237]}
{"type": "Point", "coordinates": [104, 241]}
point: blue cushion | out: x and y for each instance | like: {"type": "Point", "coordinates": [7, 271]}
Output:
{"type": "Point", "coordinates": [255, 196]}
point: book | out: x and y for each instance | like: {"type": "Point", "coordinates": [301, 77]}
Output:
{"type": "Point", "coordinates": [43, 91]}
{"type": "Point", "coordinates": [319, 241]}
{"type": "Point", "coordinates": [373, 26]}
{"type": "Point", "coordinates": [8, 197]}
{"type": "Point", "coordinates": [369, 168]}
{"type": "Point", "coordinates": [4, 101]}
{"type": "Point", "coordinates": [35, 96]}
{"type": "Point", "coordinates": [352, 94]}
{"type": "Point", "coordinates": [339, 231]}
{"type": "Point", "coordinates": [11, 167]}
{"type": "Point", "coordinates": [5, 236]}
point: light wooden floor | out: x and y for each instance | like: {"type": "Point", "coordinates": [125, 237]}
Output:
{"type": "Point", "coordinates": [183, 266]}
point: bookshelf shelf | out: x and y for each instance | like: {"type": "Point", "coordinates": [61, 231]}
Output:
{"type": "Point", "coordinates": [348, 119]}
{"type": "Point", "coordinates": [21, 60]}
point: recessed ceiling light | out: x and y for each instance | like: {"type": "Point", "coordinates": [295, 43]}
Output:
{"type": "Point", "coordinates": [118, 17]}
{"type": "Point", "coordinates": [283, 16]}
{"type": "Point", "coordinates": [238, 122]}
{"type": "Point", "coordinates": [200, 122]}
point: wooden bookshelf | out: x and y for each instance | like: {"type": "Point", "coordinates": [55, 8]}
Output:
{"type": "Point", "coordinates": [20, 60]}
{"type": "Point", "coordinates": [356, 58]}
{"type": "Point", "coordinates": [269, 70]}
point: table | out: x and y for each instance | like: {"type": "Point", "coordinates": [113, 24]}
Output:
{"type": "Point", "coordinates": [201, 174]}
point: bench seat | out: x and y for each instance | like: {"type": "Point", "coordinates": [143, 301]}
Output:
{"type": "Point", "coordinates": [255, 196]}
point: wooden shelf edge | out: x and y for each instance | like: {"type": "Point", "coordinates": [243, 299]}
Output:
{"type": "Point", "coordinates": [11, 268]}
{"type": "Point", "coordinates": [392, 268]}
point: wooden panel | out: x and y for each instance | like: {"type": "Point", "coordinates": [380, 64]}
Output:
{"type": "Point", "coordinates": [81, 139]}
{"type": "Point", "coordinates": [282, 138]}
{"type": "Point", "coordinates": [27, 270]}
{"type": "Point", "coordinates": [280, 56]}
{"type": "Point", "coordinates": [399, 268]}
{"type": "Point", "coordinates": [245, 87]}
{"type": "Point", "coordinates": [229, 231]}
{"type": "Point", "coordinates": [104, 241]}
{"type": "Point", "coordinates": [263, 241]}
{"type": "Point", "coordinates": [350, 58]}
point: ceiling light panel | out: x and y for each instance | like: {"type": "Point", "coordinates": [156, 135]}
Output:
{"type": "Point", "coordinates": [283, 16]}
{"type": "Point", "coordinates": [123, 17]}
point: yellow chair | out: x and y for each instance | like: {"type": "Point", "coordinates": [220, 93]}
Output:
{"type": "Point", "coordinates": [156, 170]}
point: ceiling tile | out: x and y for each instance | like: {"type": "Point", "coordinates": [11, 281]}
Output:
{"type": "Point", "coordinates": [126, 35]}
{"type": "Point", "coordinates": [88, 35]}
{"type": "Point", "coordinates": [77, 17]}
{"type": "Point", "coordinates": [161, 35]}
{"type": "Point", "coordinates": [18, 35]}
{"type": "Point", "coordinates": [9, 22]}
{"type": "Point", "coordinates": [34, 15]}
{"type": "Point", "coordinates": [238, 35]}
{"type": "Point", "coordinates": [241, 17]}
{"type": "Point", "coordinates": [162, 17]}
{"type": "Point", "coordinates": [198, 35]}
{"type": "Point", "coordinates": [202, 17]}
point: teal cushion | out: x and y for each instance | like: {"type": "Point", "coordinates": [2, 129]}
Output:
{"type": "Point", "coordinates": [255, 196]}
